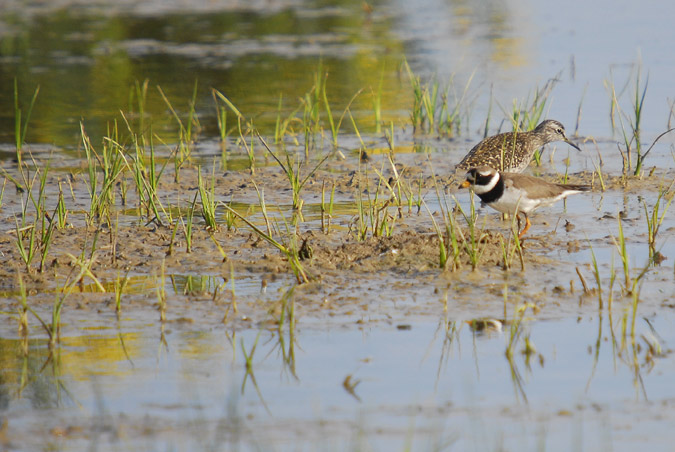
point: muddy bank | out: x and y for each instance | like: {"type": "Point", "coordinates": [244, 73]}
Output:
{"type": "Point", "coordinates": [344, 264]}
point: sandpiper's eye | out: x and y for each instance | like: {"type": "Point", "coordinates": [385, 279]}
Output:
{"type": "Point", "coordinates": [560, 131]}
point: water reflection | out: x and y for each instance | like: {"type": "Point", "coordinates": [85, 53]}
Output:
{"type": "Point", "coordinates": [490, 35]}
{"type": "Point", "coordinates": [87, 60]}
{"type": "Point", "coordinates": [43, 376]}
{"type": "Point", "coordinates": [321, 368]}
{"type": "Point", "coordinates": [197, 285]}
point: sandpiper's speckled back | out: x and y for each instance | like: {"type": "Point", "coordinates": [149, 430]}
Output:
{"type": "Point", "coordinates": [513, 151]}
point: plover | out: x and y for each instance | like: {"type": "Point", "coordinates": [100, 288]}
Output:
{"type": "Point", "coordinates": [516, 194]}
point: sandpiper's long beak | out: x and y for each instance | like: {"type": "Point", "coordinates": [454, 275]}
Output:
{"type": "Point", "coordinates": [572, 144]}
{"type": "Point", "coordinates": [465, 184]}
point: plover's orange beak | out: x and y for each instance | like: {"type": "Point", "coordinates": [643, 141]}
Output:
{"type": "Point", "coordinates": [465, 184]}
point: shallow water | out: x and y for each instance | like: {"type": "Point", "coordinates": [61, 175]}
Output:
{"type": "Point", "coordinates": [386, 361]}
{"type": "Point", "coordinates": [88, 61]}
{"type": "Point", "coordinates": [424, 385]}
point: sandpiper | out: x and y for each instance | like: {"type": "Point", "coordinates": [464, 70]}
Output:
{"type": "Point", "coordinates": [513, 151]}
{"type": "Point", "coordinates": [514, 193]}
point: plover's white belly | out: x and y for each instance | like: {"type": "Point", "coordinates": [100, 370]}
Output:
{"type": "Point", "coordinates": [513, 198]}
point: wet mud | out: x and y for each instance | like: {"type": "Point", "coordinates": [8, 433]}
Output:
{"type": "Point", "coordinates": [339, 261]}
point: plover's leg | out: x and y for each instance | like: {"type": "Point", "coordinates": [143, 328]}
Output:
{"type": "Point", "coordinates": [526, 228]}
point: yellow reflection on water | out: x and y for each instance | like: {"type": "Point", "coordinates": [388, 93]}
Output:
{"type": "Point", "coordinates": [508, 51]}
{"type": "Point", "coordinates": [200, 345]}
{"type": "Point", "coordinates": [77, 357]}
{"type": "Point", "coordinates": [84, 356]}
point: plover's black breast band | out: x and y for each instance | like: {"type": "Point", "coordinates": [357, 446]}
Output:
{"type": "Point", "coordinates": [494, 194]}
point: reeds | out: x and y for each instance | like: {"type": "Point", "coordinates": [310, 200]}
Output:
{"type": "Point", "coordinates": [638, 103]}
{"type": "Point", "coordinates": [108, 166]}
{"type": "Point", "coordinates": [632, 152]}
{"type": "Point", "coordinates": [187, 226]}
{"type": "Point", "coordinates": [512, 247]}
{"type": "Point", "coordinates": [598, 282]}
{"type": "Point", "coordinates": [335, 126]}
{"type": "Point", "coordinates": [34, 231]}
{"type": "Point", "coordinates": [292, 169]}
{"type": "Point", "coordinates": [208, 200]}
{"type": "Point", "coordinates": [160, 288]}
{"type": "Point", "coordinates": [525, 115]}
{"type": "Point", "coordinates": [449, 249]}
{"type": "Point", "coordinates": [632, 284]}
{"type": "Point", "coordinates": [81, 268]}
{"type": "Point", "coordinates": [449, 241]}
{"type": "Point", "coordinates": [432, 110]}
{"type": "Point", "coordinates": [61, 211]}
{"type": "Point", "coordinates": [326, 209]}
{"type": "Point", "coordinates": [185, 131]}
{"type": "Point", "coordinates": [654, 220]}
{"type": "Point", "coordinates": [472, 246]}
{"type": "Point", "coordinates": [290, 249]}
{"type": "Point", "coordinates": [633, 279]}
{"type": "Point", "coordinates": [373, 216]}
{"type": "Point", "coordinates": [21, 121]}
{"type": "Point", "coordinates": [244, 130]}
{"type": "Point", "coordinates": [120, 285]}
{"type": "Point", "coordinates": [620, 243]}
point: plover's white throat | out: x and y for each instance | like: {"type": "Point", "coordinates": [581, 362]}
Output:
{"type": "Point", "coordinates": [516, 193]}
{"type": "Point", "coordinates": [513, 151]}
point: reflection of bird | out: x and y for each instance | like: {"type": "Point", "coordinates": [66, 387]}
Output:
{"type": "Point", "coordinates": [512, 151]}
{"type": "Point", "coordinates": [516, 193]}
{"type": "Point", "coordinates": [481, 325]}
